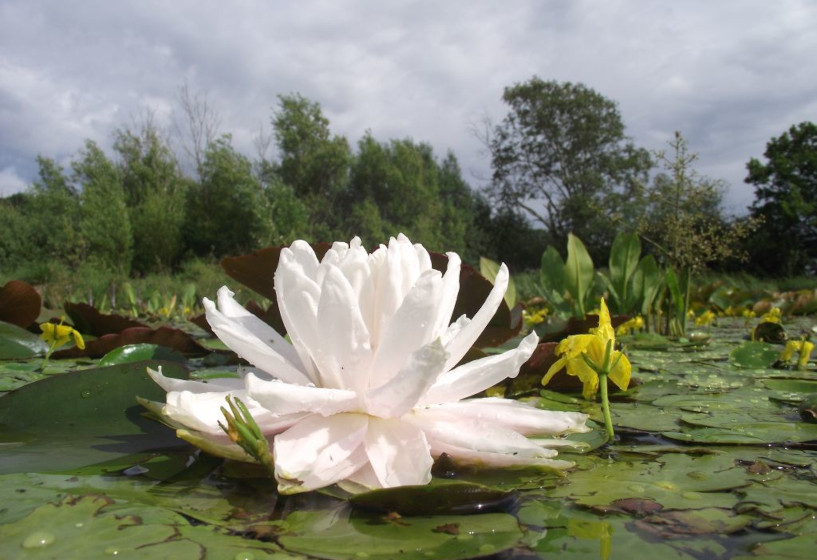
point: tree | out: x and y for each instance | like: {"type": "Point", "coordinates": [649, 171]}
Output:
{"type": "Point", "coordinates": [786, 201]}
{"type": "Point", "coordinates": [105, 225]}
{"type": "Point", "coordinates": [225, 211]}
{"type": "Point", "coordinates": [313, 163]}
{"type": "Point", "coordinates": [155, 193]}
{"type": "Point", "coordinates": [54, 214]}
{"type": "Point", "coordinates": [681, 214]}
{"type": "Point", "coordinates": [197, 127]}
{"type": "Point", "coordinates": [561, 155]}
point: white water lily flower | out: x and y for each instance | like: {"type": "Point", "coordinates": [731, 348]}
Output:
{"type": "Point", "coordinates": [367, 393]}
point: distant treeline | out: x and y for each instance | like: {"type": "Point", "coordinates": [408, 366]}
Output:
{"type": "Point", "coordinates": [561, 163]}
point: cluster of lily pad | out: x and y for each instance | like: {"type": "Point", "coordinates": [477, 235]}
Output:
{"type": "Point", "coordinates": [714, 454]}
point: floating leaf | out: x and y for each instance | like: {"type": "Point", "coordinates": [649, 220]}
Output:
{"type": "Point", "coordinates": [19, 304]}
{"type": "Point", "coordinates": [754, 355]}
{"type": "Point", "coordinates": [95, 527]}
{"type": "Point", "coordinates": [85, 417]}
{"type": "Point", "coordinates": [341, 535]}
{"type": "Point", "coordinates": [88, 320]}
{"type": "Point", "coordinates": [163, 336]}
{"type": "Point", "coordinates": [440, 497]}
{"type": "Point", "coordinates": [140, 353]}
{"type": "Point", "coordinates": [19, 344]}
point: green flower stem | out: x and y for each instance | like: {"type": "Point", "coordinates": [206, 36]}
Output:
{"type": "Point", "coordinates": [605, 406]}
{"type": "Point", "coordinates": [48, 356]}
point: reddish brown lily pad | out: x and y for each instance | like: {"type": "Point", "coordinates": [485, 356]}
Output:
{"type": "Point", "coordinates": [88, 320]}
{"type": "Point", "coordinates": [163, 336]}
{"type": "Point", "coordinates": [257, 269]}
{"type": "Point", "coordinates": [19, 304]}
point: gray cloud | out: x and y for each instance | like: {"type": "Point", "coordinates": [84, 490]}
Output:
{"type": "Point", "coordinates": [730, 75]}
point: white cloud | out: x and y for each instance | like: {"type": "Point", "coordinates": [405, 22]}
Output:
{"type": "Point", "coordinates": [11, 182]}
{"type": "Point", "coordinates": [729, 75]}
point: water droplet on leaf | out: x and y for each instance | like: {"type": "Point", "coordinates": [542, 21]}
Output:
{"type": "Point", "coordinates": [85, 394]}
{"type": "Point", "coordinates": [39, 539]}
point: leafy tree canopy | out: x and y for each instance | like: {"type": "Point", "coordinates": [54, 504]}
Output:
{"type": "Point", "coordinates": [786, 201]}
{"type": "Point", "coordinates": [561, 155]}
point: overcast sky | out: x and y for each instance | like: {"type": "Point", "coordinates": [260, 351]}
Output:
{"type": "Point", "coordinates": [729, 74]}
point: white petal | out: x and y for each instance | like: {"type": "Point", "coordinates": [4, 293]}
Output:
{"type": "Point", "coordinates": [478, 375]}
{"type": "Point", "coordinates": [481, 442]}
{"type": "Point", "coordinates": [303, 256]}
{"type": "Point", "coordinates": [318, 451]}
{"type": "Point", "coordinates": [395, 270]}
{"type": "Point", "coordinates": [343, 356]}
{"type": "Point", "coordinates": [398, 453]}
{"type": "Point", "coordinates": [286, 398]}
{"type": "Point", "coordinates": [448, 299]}
{"type": "Point", "coordinates": [218, 384]}
{"type": "Point", "coordinates": [200, 411]}
{"type": "Point", "coordinates": [298, 296]}
{"type": "Point", "coordinates": [247, 345]}
{"type": "Point", "coordinates": [411, 327]}
{"type": "Point", "coordinates": [514, 415]}
{"type": "Point", "coordinates": [400, 394]}
{"type": "Point", "coordinates": [465, 338]}
{"type": "Point", "coordinates": [231, 309]}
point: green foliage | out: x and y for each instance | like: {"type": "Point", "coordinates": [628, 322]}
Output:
{"type": "Point", "coordinates": [54, 215]}
{"type": "Point", "coordinates": [681, 215]}
{"type": "Point", "coordinates": [624, 255]}
{"type": "Point", "coordinates": [105, 225]}
{"type": "Point", "coordinates": [489, 269]}
{"type": "Point", "coordinates": [313, 163]}
{"type": "Point", "coordinates": [155, 194]}
{"type": "Point", "coordinates": [568, 285]}
{"type": "Point", "coordinates": [786, 202]}
{"type": "Point", "coordinates": [562, 146]}
{"type": "Point", "coordinates": [224, 211]}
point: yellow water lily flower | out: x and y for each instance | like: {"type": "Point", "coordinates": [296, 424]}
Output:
{"type": "Point", "coordinates": [634, 324]}
{"type": "Point", "coordinates": [59, 335]}
{"type": "Point", "coordinates": [593, 358]}
{"type": "Point", "coordinates": [804, 348]}
{"type": "Point", "coordinates": [771, 316]}
{"type": "Point", "coordinates": [584, 355]}
{"type": "Point", "coordinates": [705, 318]}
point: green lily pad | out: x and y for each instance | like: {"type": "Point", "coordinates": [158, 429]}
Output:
{"type": "Point", "coordinates": [94, 527]}
{"type": "Point", "coordinates": [19, 344]}
{"type": "Point", "coordinates": [674, 481]}
{"type": "Point", "coordinates": [439, 497]}
{"type": "Point", "coordinates": [139, 353]}
{"type": "Point", "coordinates": [340, 534]}
{"type": "Point", "coordinates": [754, 355]}
{"type": "Point", "coordinates": [85, 417]}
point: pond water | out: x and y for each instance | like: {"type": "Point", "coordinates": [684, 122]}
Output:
{"type": "Point", "coordinates": [712, 461]}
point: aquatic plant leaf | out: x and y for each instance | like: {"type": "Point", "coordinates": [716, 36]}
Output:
{"type": "Point", "coordinates": [579, 274]}
{"type": "Point", "coordinates": [489, 269]}
{"type": "Point", "coordinates": [95, 526]}
{"type": "Point", "coordinates": [88, 320]}
{"type": "Point", "coordinates": [676, 481]}
{"type": "Point", "coordinates": [139, 353]}
{"type": "Point", "coordinates": [754, 354]}
{"type": "Point", "coordinates": [19, 344]}
{"type": "Point", "coordinates": [19, 303]}
{"type": "Point", "coordinates": [175, 339]}
{"type": "Point", "coordinates": [438, 498]}
{"type": "Point", "coordinates": [81, 418]}
{"type": "Point", "coordinates": [341, 534]}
